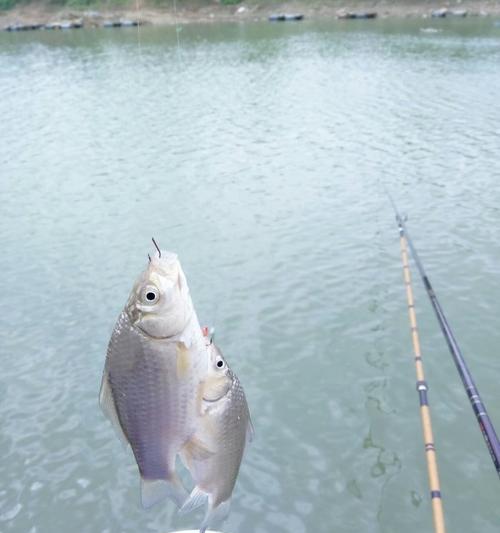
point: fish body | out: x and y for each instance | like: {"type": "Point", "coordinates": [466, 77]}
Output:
{"type": "Point", "coordinates": [224, 427]}
{"type": "Point", "coordinates": [156, 359]}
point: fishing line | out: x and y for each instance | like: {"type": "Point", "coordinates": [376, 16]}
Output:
{"type": "Point", "coordinates": [177, 29]}
{"type": "Point", "coordinates": [138, 30]}
{"type": "Point", "coordinates": [482, 417]}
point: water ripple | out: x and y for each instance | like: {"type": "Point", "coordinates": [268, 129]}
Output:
{"type": "Point", "coordinates": [259, 153]}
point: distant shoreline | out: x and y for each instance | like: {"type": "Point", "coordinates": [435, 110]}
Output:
{"type": "Point", "coordinates": [42, 14]}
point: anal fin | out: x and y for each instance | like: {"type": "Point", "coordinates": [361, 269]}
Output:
{"type": "Point", "coordinates": [196, 499]}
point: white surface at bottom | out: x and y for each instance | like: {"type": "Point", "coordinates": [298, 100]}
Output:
{"type": "Point", "coordinates": [194, 531]}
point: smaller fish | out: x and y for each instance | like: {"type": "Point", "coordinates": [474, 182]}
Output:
{"type": "Point", "coordinates": [224, 427]}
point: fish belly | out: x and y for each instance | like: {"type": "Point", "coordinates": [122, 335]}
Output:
{"type": "Point", "coordinates": [152, 405]}
{"type": "Point", "coordinates": [226, 432]}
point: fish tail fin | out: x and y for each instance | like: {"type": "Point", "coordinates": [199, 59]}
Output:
{"type": "Point", "coordinates": [197, 498]}
{"type": "Point", "coordinates": [155, 490]}
{"type": "Point", "coordinates": [215, 513]}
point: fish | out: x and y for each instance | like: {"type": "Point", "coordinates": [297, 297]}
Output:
{"type": "Point", "coordinates": [225, 427]}
{"type": "Point", "coordinates": [156, 359]}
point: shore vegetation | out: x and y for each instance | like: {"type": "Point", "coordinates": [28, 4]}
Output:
{"type": "Point", "coordinates": [94, 13]}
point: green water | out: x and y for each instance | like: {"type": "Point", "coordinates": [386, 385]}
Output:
{"type": "Point", "coordinates": [259, 153]}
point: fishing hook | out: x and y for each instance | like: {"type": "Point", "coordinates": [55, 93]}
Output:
{"type": "Point", "coordinates": [157, 247]}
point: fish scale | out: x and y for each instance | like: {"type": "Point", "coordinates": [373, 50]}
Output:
{"type": "Point", "coordinates": [151, 404]}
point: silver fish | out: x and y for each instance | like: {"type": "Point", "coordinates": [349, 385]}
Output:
{"type": "Point", "coordinates": [224, 427]}
{"type": "Point", "coordinates": [155, 361]}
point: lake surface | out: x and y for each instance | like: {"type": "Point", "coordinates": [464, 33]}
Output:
{"type": "Point", "coordinates": [259, 153]}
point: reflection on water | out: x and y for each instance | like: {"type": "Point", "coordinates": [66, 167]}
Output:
{"type": "Point", "coordinates": [259, 153]}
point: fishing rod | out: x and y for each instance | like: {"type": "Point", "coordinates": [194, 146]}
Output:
{"type": "Point", "coordinates": [425, 414]}
{"type": "Point", "coordinates": [484, 421]}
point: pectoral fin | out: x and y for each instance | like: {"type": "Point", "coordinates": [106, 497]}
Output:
{"type": "Point", "coordinates": [195, 450]}
{"type": "Point", "coordinates": [107, 404]}
{"type": "Point", "coordinates": [183, 360]}
{"type": "Point", "coordinates": [250, 435]}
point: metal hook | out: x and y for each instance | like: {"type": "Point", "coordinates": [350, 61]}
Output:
{"type": "Point", "coordinates": [156, 246]}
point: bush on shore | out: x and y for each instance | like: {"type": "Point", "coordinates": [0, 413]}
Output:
{"type": "Point", "coordinates": [8, 4]}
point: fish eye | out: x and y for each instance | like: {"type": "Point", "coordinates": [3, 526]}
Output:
{"type": "Point", "coordinates": [220, 363]}
{"type": "Point", "coordinates": [151, 295]}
